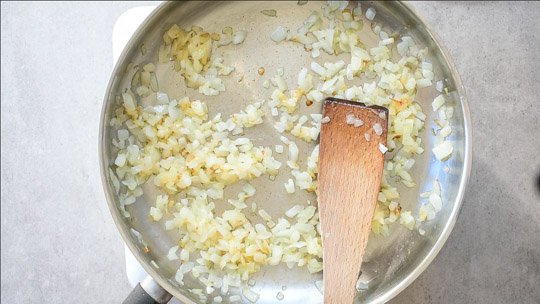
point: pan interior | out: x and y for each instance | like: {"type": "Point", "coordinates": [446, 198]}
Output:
{"type": "Point", "coordinates": [389, 260]}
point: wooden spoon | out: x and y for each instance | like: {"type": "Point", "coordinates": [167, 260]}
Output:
{"type": "Point", "coordinates": [349, 176]}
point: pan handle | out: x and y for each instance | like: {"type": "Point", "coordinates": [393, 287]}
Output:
{"type": "Point", "coordinates": [148, 292]}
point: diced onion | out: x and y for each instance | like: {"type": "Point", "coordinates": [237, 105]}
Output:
{"type": "Point", "coordinates": [370, 13]}
{"type": "Point", "coordinates": [239, 37]}
{"type": "Point", "coordinates": [250, 295]}
{"type": "Point", "coordinates": [279, 34]}
{"type": "Point", "coordinates": [443, 150]}
{"type": "Point", "coordinates": [438, 102]}
{"type": "Point", "coordinates": [180, 149]}
{"type": "Point", "coordinates": [289, 186]}
{"type": "Point", "coordinates": [270, 13]}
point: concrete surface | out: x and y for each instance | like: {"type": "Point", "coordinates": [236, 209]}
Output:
{"type": "Point", "coordinates": [59, 244]}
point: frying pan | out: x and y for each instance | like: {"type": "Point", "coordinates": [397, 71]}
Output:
{"type": "Point", "coordinates": [391, 262]}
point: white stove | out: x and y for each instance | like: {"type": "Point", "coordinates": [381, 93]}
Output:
{"type": "Point", "coordinates": [123, 29]}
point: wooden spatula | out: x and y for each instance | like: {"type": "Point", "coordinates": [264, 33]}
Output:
{"type": "Point", "coordinates": [350, 169]}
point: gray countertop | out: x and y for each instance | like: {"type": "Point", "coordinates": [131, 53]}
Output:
{"type": "Point", "coordinates": [59, 244]}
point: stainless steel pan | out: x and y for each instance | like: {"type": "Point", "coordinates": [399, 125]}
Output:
{"type": "Point", "coordinates": [392, 262]}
